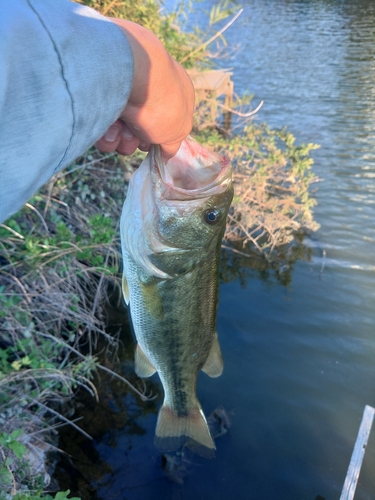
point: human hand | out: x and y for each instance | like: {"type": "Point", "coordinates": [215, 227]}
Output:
{"type": "Point", "coordinates": [161, 103]}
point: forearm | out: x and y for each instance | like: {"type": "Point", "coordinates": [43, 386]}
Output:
{"type": "Point", "coordinates": [66, 74]}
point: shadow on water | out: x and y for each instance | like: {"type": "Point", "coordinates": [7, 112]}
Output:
{"type": "Point", "coordinates": [278, 268]}
{"type": "Point", "coordinates": [118, 413]}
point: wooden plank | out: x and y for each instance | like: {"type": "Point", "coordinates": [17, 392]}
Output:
{"type": "Point", "coordinates": [355, 464]}
{"type": "Point", "coordinates": [213, 80]}
{"type": "Point", "coordinates": [209, 86]}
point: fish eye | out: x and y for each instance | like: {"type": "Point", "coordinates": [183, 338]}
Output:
{"type": "Point", "coordinates": [212, 216]}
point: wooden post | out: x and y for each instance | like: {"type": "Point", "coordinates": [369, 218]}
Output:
{"type": "Point", "coordinates": [228, 103]}
{"type": "Point", "coordinates": [210, 85]}
{"type": "Point", "coordinates": [354, 469]}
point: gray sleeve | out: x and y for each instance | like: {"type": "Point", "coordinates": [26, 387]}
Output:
{"type": "Point", "coordinates": [65, 75]}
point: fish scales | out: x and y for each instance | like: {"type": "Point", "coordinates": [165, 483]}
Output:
{"type": "Point", "coordinates": [178, 338]}
{"type": "Point", "coordinates": [171, 256]}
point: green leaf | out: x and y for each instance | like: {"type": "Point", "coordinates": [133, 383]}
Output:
{"type": "Point", "coordinates": [16, 365]}
{"type": "Point", "coordinates": [15, 434]}
{"type": "Point", "coordinates": [62, 495]}
{"type": "Point", "coordinates": [9, 461]}
{"type": "Point", "coordinates": [18, 449]}
{"type": "Point", "coordinates": [5, 476]}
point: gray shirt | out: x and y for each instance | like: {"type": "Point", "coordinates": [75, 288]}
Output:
{"type": "Point", "coordinates": [65, 75]}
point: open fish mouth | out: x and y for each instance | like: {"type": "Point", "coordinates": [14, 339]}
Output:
{"type": "Point", "coordinates": [194, 172]}
{"type": "Point", "coordinates": [164, 200]}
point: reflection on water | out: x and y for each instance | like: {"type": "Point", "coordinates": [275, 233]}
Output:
{"type": "Point", "coordinates": [236, 265]}
{"type": "Point", "coordinates": [299, 359]}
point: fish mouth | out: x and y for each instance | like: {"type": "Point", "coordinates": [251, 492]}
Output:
{"type": "Point", "coordinates": [193, 173]}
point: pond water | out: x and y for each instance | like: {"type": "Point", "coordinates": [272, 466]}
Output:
{"type": "Point", "coordinates": [299, 359]}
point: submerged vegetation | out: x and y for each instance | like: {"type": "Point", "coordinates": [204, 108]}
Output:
{"type": "Point", "coordinates": [60, 254]}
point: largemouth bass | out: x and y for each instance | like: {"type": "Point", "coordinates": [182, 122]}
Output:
{"type": "Point", "coordinates": [172, 224]}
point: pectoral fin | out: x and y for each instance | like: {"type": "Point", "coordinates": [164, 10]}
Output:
{"type": "Point", "coordinates": [214, 364]}
{"type": "Point", "coordinates": [125, 289]}
{"type": "Point", "coordinates": [143, 366]}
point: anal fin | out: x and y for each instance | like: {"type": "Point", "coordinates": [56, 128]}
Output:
{"type": "Point", "coordinates": [143, 366]}
{"type": "Point", "coordinates": [214, 365]}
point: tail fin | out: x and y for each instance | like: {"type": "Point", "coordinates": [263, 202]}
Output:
{"type": "Point", "coordinates": [172, 431]}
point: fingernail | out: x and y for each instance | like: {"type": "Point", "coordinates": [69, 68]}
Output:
{"type": "Point", "coordinates": [126, 134]}
{"type": "Point", "coordinates": [112, 134]}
